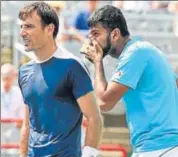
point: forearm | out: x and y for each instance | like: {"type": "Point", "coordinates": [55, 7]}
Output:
{"type": "Point", "coordinates": [24, 135]}
{"type": "Point", "coordinates": [105, 106]}
{"type": "Point", "coordinates": [93, 132]}
{"type": "Point", "coordinates": [100, 83]}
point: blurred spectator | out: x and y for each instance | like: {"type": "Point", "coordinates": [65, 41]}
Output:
{"type": "Point", "coordinates": [173, 8]}
{"type": "Point", "coordinates": [118, 4]}
{"type": "Point", "coordinates": [66, 33]}
{"type": "Point", "coordinates": [58, 7]}
{"type": "Point", "coordinates": [159, 5]}
{"type": "Point", "coordinates": [136, 6]}
{"type": "Point", "coordinates": [12, 104]}
{"type": "Point", "coordinates": [80, 22]}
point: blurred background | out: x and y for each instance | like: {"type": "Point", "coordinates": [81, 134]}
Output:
{"type": "Point", "coordinates": [155, 21]}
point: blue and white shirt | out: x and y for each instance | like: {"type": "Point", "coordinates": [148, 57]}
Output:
{"type": "Point", "coordinates": [51, 89]}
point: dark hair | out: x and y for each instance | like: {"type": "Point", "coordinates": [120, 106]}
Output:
{"type": "Point", "coordinates": [110, 18]}
{"type": "Point", "coordinates": [46, 12]}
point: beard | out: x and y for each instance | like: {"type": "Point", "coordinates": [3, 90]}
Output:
{"type": "Point", "coordinates": [109, 48]}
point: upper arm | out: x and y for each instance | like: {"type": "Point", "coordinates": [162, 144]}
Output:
{"type": "Point", "coordinates": [79, 80]}
{"type": "Point", "coordinates": [88, 106]}
{"type": "Point", "coordinates": [131, 67]}
{"type": "Point", "coordinates": [127, 75]}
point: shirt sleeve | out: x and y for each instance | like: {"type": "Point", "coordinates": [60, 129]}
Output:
{"type": "Point", "coordinates": [131, 67]}
{"type": "Point", "coordinates": [20, 86]}
{"type": "Point", "coordinates": [79, 80]}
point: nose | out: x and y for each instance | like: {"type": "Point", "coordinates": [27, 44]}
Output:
{"type": "Point", "coordinates": [90, 36]}
{"type": "Point", "coordinates": [23, 33]}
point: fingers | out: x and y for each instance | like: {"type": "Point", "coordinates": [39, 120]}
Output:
{"type": "Point", "coordinates": [87, 49]}
{"type": "Point", "coordinates": [96, 45]}
{"type": "Point", "coordinates": [92, 50]}
{"type": "Point", "coordinates": [85, 46]}
{"type": "Point", "coordinates": [89, 57]}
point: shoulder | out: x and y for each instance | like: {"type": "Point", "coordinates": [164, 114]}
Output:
{"type": "Point", "coordinates": [27, 66]}
{"type": "Point", "coordinates": [70, 59]}
{"type": "Point", "coordinates": [25, 71]}
{"type": "Point", "coordinates": [138, 46]}
{"type": "Point", "coordinates": [138, 49]}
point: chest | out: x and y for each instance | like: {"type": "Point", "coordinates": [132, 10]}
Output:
{"type": "Point", "coordinates": [44, 83]}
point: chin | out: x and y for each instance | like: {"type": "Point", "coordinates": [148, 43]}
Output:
{"type": "Point", "coordinates": [28, 49]}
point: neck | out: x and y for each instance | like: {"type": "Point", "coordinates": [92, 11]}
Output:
{"type": "Point", "coordinates": [46, 51]}
{"type": "Point", "coordinates": [120, 46]}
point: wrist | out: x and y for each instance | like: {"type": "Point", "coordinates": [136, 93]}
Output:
{"type": "Point", "coordinates": [98, 61]}
{"type": "Point", "coordinates": [23, 155]}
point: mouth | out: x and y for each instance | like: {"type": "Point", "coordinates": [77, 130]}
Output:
{"type": "Point", "coordinates": [26, 42]}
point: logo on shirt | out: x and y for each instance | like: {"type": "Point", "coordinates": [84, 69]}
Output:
{"type": "Point", "coordinates": [118, 75]}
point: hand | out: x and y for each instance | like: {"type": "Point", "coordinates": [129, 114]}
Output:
{"type": "Point", "coordinates": [90, 152]}
{"type": "Point", "coordinates": [92, 51]}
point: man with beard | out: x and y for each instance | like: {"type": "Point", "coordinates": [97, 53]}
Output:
{"type": "Point", "coordinates": [143, 78]}
{"type": "Point", "coordinates": [57, 91]}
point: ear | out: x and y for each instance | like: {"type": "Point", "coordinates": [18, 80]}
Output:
{"type": "Point", "coordinates": [115, 34]}
{"type": "Point", "coordinates": [50, 29]}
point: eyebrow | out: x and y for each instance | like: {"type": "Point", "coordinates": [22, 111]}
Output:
{"type": "Point", "coordinates": [94, 30]}
{"type": "Point", "coordinates": [28, 24]}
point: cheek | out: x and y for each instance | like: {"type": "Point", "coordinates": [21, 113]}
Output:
{"type": "Point", "coordinates": [37, 34]}
{"type": "Point", "coordinates": [101, 41]}
{"type": "Point", "coordinates": [38, 37]}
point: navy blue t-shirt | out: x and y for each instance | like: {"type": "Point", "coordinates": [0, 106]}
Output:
{"type": "Point", "coordinates": [51, 89]}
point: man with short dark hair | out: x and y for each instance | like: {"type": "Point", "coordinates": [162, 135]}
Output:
{"type": "Point", "coordinates": [57, 90]}
{"type": "Point", "coordinates": [143, 78]}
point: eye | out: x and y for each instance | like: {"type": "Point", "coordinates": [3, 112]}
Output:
{"type": "Point", "coordinates": [95, 34]}
{"type": "Point", "coordinates": [26, 26]}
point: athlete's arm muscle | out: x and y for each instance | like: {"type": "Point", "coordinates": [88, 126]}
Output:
{"type": "Point", "coordinates": [91, 111]}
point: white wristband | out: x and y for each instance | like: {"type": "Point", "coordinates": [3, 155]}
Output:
{"type": "Point", "coordinates": [90, 152]}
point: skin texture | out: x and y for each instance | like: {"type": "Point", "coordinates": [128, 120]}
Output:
{"type": "Point", "coordinates": [40, 40]}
